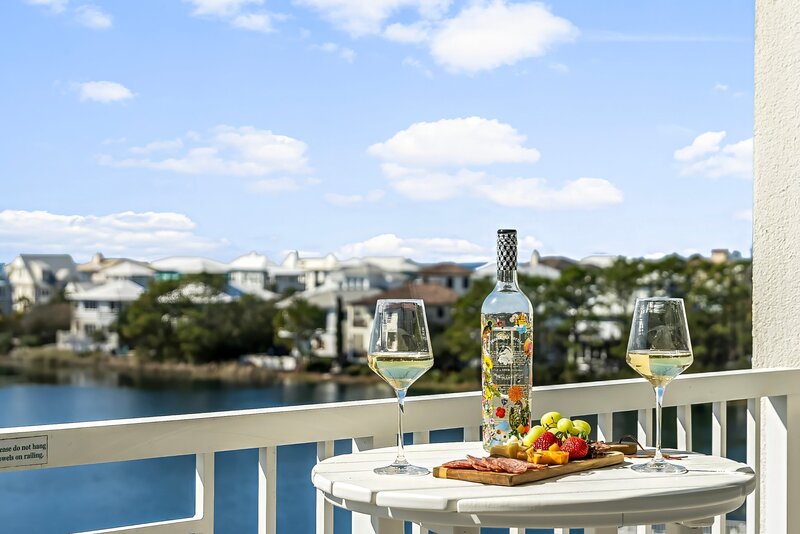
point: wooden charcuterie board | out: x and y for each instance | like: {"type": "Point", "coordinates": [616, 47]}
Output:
{"type": "Point", "coordinates": [509, 479]}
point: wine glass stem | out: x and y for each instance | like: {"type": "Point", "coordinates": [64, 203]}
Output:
{"type": "Point", "coordinates": [658, 457]}
{"type": "Point", "coordinates": [401, 398]}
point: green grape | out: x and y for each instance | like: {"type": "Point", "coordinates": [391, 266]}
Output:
{"type": "Point", "coordinates": [532, 435]}
{"type": "Point", "coordinates": [582, 426]}
{"type": "Point", "coordinates": [550, 419]}
{"type": "Point", "coordinates": [564, 425]}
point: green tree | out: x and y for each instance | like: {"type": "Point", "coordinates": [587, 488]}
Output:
{"type": "Point", "coordinates": [297, 323]}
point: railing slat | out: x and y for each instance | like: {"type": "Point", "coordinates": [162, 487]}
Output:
{"type": "Point", "coordinates": [605, 427]}
{"type": "Point", "coordinates": [267, 490]}
{"type": "Point", "coordinates": [685, 427]}
{"type": "Point", "coordinates": [644, 427]}
{"type": "Point", "coordinates": [781, 465]}
{"type": "Point", "coordinates": [324, 523]}
{"type": "Point", "coordinates": [754, 460]}
{"type": "Point", "coordinates": [719, 447]}
{"type": "Point", "coordinates": [204, 491]}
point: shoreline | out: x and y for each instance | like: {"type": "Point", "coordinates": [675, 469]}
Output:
{"type": "Point", "coordinates": [46, 361]}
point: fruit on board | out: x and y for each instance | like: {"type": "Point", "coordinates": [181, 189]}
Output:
{"type": "Point", "coordinates": [554, 447]}
{"type": "Point", "coordinates": [550, 419]}
{"type": "Point", "coordinates": [583, 428]}
{"type": "Point", "coordinates": [532, 435]}
{"type": "Point", "coordinates": [575, 447]}
{"type": "Point", "coordinates": [509, 450]}
{"type": "Point", "coordinates": [548, 457]}
{"type": "Point", "coordinates": [564, 425]}
{"type": "Point", "coordinates": [544, 441]}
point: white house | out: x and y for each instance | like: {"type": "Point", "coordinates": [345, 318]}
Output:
{"type": "Point", "coordinates": [124, 269]}
{"type": "Point", "coordinates": [250, 274]}
{"type": "Point", "coordinates": [449, 275]}
{"type": "Point", "coordinates": [5, 292]}
{"type": "Point", "coordinates": [36, 278]}
{"type": "Point", "coordinates": [94, 312]}
{"type": "Point", "coordinates": [288, 275]}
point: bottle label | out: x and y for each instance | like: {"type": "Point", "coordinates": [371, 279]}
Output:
{"type": "Point", "coordinates": [507, 360]}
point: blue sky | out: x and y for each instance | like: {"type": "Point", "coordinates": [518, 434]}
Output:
{"type": "Point", "coordinates": [414, 127]}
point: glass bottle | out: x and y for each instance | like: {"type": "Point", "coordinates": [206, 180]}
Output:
{"type": "Point", "coordinates": [506, 350]}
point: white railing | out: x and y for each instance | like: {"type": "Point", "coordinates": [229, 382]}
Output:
{"type": "Point", "coordinates": [372, 424]}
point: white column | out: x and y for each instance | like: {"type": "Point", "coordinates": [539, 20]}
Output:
{"type": "Point", "coordinates": [776, 250]}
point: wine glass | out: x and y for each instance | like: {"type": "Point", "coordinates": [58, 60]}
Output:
{"type": "Point", "coordinates": [659, 349]}
{"type": "Point", "coordinates": [400, 352]}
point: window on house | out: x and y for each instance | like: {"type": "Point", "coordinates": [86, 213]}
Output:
{"type": "Point", "coordinates": [466, 282]}
{"type": "Point", "coordinates": [113, 305]}
{"type": "Point", "coordinates": [89, 329]}
{"type": "Point", "coordinates": [450, 282]}
{"type": "Point", "coordinates": [440, 311]}
{"type": "Point", "coordinates": [90, 304]}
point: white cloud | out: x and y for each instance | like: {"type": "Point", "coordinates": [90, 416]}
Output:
{"type": "Point", "coordinates": [704, 143]}
{"type": "Point", "coordinates": [721, 87]}
{"type": "Point", "coordinates": [430, 161]}
{"type": "Point", "coordinates": [485, 36]}
{"type": "Point", "coordinates": [744, 215]}
{"type": "Point", "coordinates": [345, 53]}
{"type": "Point", "coordinates": [139, 235]}
{"type": "Point", "coordinates": [351, 200]}
{"type": "Point", "coordinates": [56, 6]}
{"type": "Point", "coordinates": [260, 22]}
{"type": "Point", "coordinates": [468, 141]}
{"type": "Point", "coordinates": [425, 184]}
{"type": "Point", "coordinates": [156, 146]}
{"type": "Point", "coordinates": [559, 68]}
{"type": "Point", "coordinates": [104, 92]}
{"type": "Point", "coordinates": [229, 150]}
{"type": "Point", "coordinates": [93, 17]}
{"type": "Point", "coordinates": [706, 157]}
{"type": "Point", "coordinates": [416, 64]}
{"type": "Point", "coordinates": [360, 17]}
{"type": "Point", "coordinates": [583, 193]}
{"type": "Point", "coordinates": [417, 32]}
{"type": "Point", "coordinates": [237, 13]}
{"type": "Point", "coordinates": [420, 249]}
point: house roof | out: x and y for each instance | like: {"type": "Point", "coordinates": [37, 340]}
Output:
{"type": "Point", "coordinates": [432, 294]}
{"type": "Point", "coordinates": [444, 268]}
{"type": "Point", "coordinates": [263, 294]}
{"type": "Point", "coordinates": [116, 291]}
{"type": "Point", "coordinates": [251, 262]}
{"type": "Point", "coordinates": [190, 265]}
{"type": "Point", "coordinates": [61, 265]}
{"type": "Point", "coordinates": [128, 268]}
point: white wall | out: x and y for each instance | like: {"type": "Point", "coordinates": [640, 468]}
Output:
{"type": "Point", "coordinates": [776, 191]}
{"type": "Point", "coordinates": [776, 252]}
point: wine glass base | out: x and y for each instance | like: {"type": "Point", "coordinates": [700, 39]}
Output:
{"type": "Point", "coordinates": [659, 467]}
{"type": "Point", "coordinates": [402, 469]}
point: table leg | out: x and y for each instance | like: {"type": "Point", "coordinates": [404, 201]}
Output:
{"type": "Point", "coordinates": [366, 524]}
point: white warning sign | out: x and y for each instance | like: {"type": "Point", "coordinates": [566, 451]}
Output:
{"type": "Point", "coordinates": [18, 452]}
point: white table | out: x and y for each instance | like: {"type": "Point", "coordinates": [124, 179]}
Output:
{"type": "Point", "coordinates": [602, 499]}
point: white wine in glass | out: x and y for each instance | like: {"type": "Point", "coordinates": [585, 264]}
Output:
{"type": "Point", "coordinates": [659, 349]}
{"type": "Point", "coordinates": [400, 352]}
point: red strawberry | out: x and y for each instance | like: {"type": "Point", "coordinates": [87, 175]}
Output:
{"type": "Point", "coordinates": [576, 447]}
{"type": "Point", "coordinates": [545, 440]}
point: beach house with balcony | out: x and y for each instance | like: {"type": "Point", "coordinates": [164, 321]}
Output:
{"type": "Point", "coordinates": [174, 267]}
{"type": "Point", "coordinates": [37, 278]}
{"type": "Point", "coordinates": [95, 311]}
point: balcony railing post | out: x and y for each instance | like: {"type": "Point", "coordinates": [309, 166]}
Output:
{"type": "Point", "coordinates": [267, 490]}
{"type": "Point", "coordinates": [204, 491]}
{"type": "Point", "coordinates": [754, 460]}
{"type": "Point", "coordinates": [780, 476]}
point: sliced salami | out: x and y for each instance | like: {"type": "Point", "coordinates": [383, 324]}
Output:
{"type": "Point", "coordinates": [458, 464]}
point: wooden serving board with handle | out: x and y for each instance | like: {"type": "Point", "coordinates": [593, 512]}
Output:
{"type": "Point", "coordinates": [509, 479]}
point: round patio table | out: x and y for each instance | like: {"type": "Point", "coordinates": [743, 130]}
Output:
{"type": "Point", "coordinates": [602, 499]}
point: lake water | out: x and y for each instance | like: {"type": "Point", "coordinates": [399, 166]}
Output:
{"type": "Point", "coordinates": [83, 498]}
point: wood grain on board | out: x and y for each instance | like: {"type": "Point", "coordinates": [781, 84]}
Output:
{"type": "Point", "coordinates": [509, 479]}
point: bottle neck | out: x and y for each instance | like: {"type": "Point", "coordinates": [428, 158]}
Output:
{"type": "Point", "coordinates": [507, 277]}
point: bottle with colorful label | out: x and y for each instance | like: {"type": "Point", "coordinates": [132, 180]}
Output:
{"type": "Point", "coordinates": [506, 350]}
